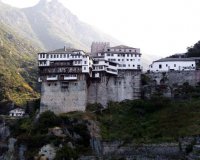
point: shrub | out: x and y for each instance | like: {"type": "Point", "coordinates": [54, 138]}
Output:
{"type": "Point", "coordinates": [66, 153]}
{"type": "Point", "coordinates": [47, 120]}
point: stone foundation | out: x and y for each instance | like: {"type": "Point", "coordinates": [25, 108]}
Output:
{"type": "Point", "coordinates": [115, 88]}
{"type": "Point", "coordinates": [62, 97]}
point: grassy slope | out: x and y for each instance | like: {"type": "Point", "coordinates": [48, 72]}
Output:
{"type": "Point", "coordinates": [17, 58]}
{"type": "Point", "coordinates": [150, 121]}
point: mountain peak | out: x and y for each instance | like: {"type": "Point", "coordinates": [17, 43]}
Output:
{"type": "Point", "coordinates": [48, 4]}
{"type": "Point", "coordinates": [42, 2]}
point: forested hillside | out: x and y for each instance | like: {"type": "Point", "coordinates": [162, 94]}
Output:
{"type": "Point", "coordinates": [18, 67]}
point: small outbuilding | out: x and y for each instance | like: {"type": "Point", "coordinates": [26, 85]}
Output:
{"type": "Point", "coordinates": [17, 112]}
{"type": "Point", "coordinates": [173, 64]}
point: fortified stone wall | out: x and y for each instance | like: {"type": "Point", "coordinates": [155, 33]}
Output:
{"type": "Point", "coordinates": [176, 77]}
{"type": "Point", "coordinates": [115, 88]}
{"type": "Point", "coordinates": [62, 97]}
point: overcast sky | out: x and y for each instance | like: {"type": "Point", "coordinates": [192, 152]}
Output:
{"type": "Point", "coordinates": [158, 27]}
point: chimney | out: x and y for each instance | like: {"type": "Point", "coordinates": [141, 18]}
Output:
{"type": "Point", "coordinates": [65, 48]}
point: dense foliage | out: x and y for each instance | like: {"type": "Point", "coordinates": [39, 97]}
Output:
{"type": "Point", "coordinates": [152, 120]}
{"type": "Point", "coordinates": [35, 133]}
{"type": "Point", "coordinates": [18, 67]}
{"type": "Point", "coordinates": [194, 51]}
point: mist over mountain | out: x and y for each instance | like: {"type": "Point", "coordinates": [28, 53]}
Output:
{"type": "Point", "coordinates": [51, 25]}
{"type": "Point", "coordinates": [56, 26]}
{"type": "Point", "coordinates": [25, 32]}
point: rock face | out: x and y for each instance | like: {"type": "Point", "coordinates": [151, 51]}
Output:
{"type": "Point", "coordinates": [176, 77]}
{"type": "Point", "coordinates": [48, 151]}
{"type": "Point", "coordinates": [95, 141]}
{"type": "Point", "coordinates": [4, 131]}
{"type": "Point", "coordinates": [168, 84]}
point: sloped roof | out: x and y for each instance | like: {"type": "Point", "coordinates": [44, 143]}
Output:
{"type": "Point", "coordinates": [174, 59]}
{"type": "Point", "coordinates": [122, 47]}
{"type": "Point", "coordinates": [66, 50]}
{"type": "Point", "coordinates": [17, 109]}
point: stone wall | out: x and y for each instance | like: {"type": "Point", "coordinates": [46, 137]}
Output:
{"type": "Point", "coordinates": [115, 88]}
{"type": "Point", "coordinates": [62, 98]}
{"type": "Point", "coordinates": [76, 94]}
{"type": "Point", "coordinates": [164, 151]}
{"type": "Point", "coordinates": [177, 77]}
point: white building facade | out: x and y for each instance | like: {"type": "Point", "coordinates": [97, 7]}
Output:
{"type": "Point", "coordinates": [18, 112]}
{"type": "Point", "coordinates": [71, 78]}
{"type": "Point", "coordinates": [63, 64]}
{"type": "Point", "coordinates": [126, 57]}
{"type": "Point", "coordinates": [173, 64]}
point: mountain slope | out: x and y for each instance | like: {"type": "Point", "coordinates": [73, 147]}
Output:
{"type": "Point", "coordinates": [18, 67]}
{"type": "Point", "coordinates": [14, 18]}
{"type": "Point", "coordinates": [56, 26]}
{"type": "Point", "coordinates": [50, 25]}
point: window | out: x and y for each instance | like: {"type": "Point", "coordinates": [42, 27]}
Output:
{"type": "Point", "coordinates": [166, 65]}
{"type": "Point", "coordinates": [118, 55]}
{"type": "Point", "coordinates": [57, 55]}
{"type": "Point", "coordinates": [51, 56]}
{"type": "Point", "coordinates": [108, 49]}
{"type": "Point", "coordinates": [64, 55]}
{"type": "Point", "coordinates": [124, 65]}
{"type": "Point", "coordinates": [127, 59]}
{"type": "Point", "coordinates": [85, 62]}
{"type": "Point", "coordinates": [129, 65]}
{"type": "Point", "coordinates": [108, 54]}
{"type": "Point", "coordinates": [131, 59]}
{"type": "Point", "coordinates": [160, 66]}
{"type": "Point", "coordinates": [118, 59]}
{"type": "Point", "coordinates": [54, 56]}
{"type": "Point", "coordinates": [133, 65]}
{"type": "Point", "coordinates": [40, 55]}
{"type": "Point", "coordinates": [84, 68]}
{"type": "Point", "coordinates": [130, 50]}
{"type": "Point", "coordinates": [135, 55]}
{"type": "Point", "coordinates": [43, 55]}
{"type": "Point", "coordinates": [127, 55]}
{"type": "Point", "coordinates": [122, 59]}
{"type": "Point", "coordinates": [192, 65]}
{"type": "Point", "coordinates": [61, 56]}
{"type": "Point", "coordinates": [112, 54]}
{"type": "Point", "coordinates": [174, 65]}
